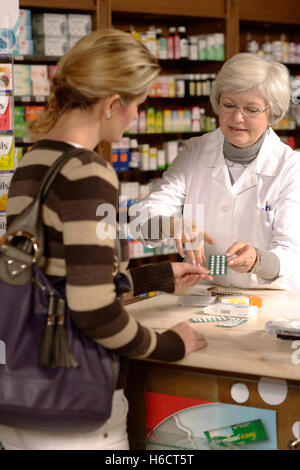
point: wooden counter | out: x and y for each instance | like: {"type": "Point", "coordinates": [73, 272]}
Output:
{"type": "Point", "coordinates": [244, 354]}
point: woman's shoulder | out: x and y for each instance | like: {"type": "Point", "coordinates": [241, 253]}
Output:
{"type": "Point", "coordinates": [85, 163]}
{"type": "Point", "coordinates": [201, 149]}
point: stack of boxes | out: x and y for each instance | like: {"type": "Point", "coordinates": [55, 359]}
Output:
{"type": "Point", "coordinates": [23, 116]}
{"type": "Point", "coordinates": [31, 80]}
{"type": "Point", "coordinates": [6, 140]}
{"type": "Point", "coordinates": [50, 34]}
{"type": "Point", "coordinates": [55, 33]}
{"type": "Point", "coordinates": [24, 43]}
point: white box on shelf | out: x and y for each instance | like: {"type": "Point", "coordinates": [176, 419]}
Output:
{"type": "Point", "coordinates": [23, 88]}
{"type": "Point", "coordinates": [50, 24]}
{"type": "Point", "coordinates": [51, 45]}
{"type": "Point", "coordinates": [39, 72]}
{"type": "Point", "coordinates": [79, 25]}
{"type": "Point", "coordinates": [73, 40]}
{"type": "Point", "coordinates": [22, 72]}
{"type": "Point", "coordinates": [24, 47]}
{"type": "Point", "coordinates": [40, 88]}
{"type": "Point", "coordinates": [25, 32]}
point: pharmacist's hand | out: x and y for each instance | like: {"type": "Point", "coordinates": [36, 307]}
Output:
{"type": "Point", "coordinates": [193, 237]}
{"type": "Point", "coordinates": [193, 339]}
{"type": "Point", "coordinates": [241, 257]}
{"type": "Point", "coordinates": [187, 275]}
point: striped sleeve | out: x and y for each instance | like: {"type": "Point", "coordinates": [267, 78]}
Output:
{"type": "Point", "coordinates": [88, 212]}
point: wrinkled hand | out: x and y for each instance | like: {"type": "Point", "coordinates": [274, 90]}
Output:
{"type": "Point", "coordinates": [193, 339]}
{"type": "Point", "coordinates": [187, 275]}
{"type": "Point", "coordinates": [242, 257]}
{"type": "Point", "coordinates": [184, 231]}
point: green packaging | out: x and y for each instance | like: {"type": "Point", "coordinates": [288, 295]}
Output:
{"type": "Point", "coordinates": [150, 121]}
{"type": "Point", "coordinates": [236, 434]}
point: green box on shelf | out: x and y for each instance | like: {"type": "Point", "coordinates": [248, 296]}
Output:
{"type": "Point", "coordinates": [19, 114]}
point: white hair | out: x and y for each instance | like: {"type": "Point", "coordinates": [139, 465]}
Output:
{"type": "Point", "coordinates": [244, 72]}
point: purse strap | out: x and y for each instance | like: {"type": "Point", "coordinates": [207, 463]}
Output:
{"type": "Point", "coordinates": [23, 243]}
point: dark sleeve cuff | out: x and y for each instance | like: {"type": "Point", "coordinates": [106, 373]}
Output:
{"type": "Point", "coordinates": [170, 347]}
{"type": "Point", "coordinates": [153, 277]}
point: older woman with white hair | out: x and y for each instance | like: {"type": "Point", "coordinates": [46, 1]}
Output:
{"type": "Point", "coordinates": [247, 180]}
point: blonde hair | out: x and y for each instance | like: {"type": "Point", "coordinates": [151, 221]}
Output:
{"type": "Point", "coordinates": [99, 65]}
{"type": "Point", "coordinates": [246, 71]}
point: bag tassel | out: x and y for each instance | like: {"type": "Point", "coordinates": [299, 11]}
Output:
{"type": "Point", "coordinates": [47, 341]}
{"type": "Point", "coordinates": [63, 356]}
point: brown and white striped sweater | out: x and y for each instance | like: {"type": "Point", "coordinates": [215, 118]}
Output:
{"type": "Point", "coordinates": [72, 249]}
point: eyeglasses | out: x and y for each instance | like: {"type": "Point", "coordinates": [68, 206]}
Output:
{"type": "Point", "coordinates": [249, 111]}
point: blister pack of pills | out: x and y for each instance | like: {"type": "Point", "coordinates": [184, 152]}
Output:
{"type": "Point", "coordinates": [217, 264]}
{"type": "Point", "coordinates": [208, 319]}
{"type": "Point", "coordinates": [232, 322]}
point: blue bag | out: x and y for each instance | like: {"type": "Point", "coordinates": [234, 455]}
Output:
{"type": "Point", "coordinates": [55, 378]}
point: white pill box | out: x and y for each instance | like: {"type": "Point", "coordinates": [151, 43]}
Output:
{"type": "Point", "coordinates": [79, 25]}
{"type": "Point", "coordinates": [231, 310]}
{"type": "Point", "coordinates": [22, 72]}
{"type": "Point", "coordinates": [51, 46]}
{"type": "Point", "coordinates": [50, 24]}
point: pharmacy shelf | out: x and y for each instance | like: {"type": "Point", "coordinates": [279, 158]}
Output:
{"type": "Point", "coordinates": [181, 66]}
{"type": "Point", "coordinates": [23, 141]}
{"type": "Point", "coordinates": [288, 131]}
{"type": "Point", "coordinates": [167, 99]}
{"type": "Point", "coordinates": [40, 99]}
{"type": "Point", "coordinates": [32, 59]}
{"type": "Point", "coordinates": [165, 134]}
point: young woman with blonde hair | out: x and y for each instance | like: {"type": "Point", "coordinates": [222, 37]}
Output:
{"type": "Point", "coordinates": [96, 92]}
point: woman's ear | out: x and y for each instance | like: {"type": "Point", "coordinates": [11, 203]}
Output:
{"type": "Point", "coordinates": [109, 105]}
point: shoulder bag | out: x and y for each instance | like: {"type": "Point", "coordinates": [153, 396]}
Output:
{"type": "Point", "coordinates": [54, 377]}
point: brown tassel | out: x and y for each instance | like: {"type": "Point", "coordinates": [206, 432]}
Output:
{"type": "Point", "coordinates": [63, 356]}
{"type": "Point", "coordinates": [47, 340]}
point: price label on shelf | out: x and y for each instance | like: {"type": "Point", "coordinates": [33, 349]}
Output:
{"type": "Point", "coordinates": [40, 99]}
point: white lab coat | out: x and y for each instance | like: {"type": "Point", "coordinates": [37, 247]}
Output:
{"type": "Point", "coordinates": [199, 175]}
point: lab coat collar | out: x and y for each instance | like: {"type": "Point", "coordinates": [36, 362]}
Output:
{"type": "Point", "coordinates": [266, 162]}
{"type": "Point", "coordinates": [268, 158]}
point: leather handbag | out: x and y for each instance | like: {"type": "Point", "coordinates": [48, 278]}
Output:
{"type": "Point", "coordinates": [54, 379]}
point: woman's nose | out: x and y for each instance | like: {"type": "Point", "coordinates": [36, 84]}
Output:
{"type": "Point", "coordinates": [238, 113]}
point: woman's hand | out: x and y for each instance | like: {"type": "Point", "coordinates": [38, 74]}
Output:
{"type": "Point", "coordinates": [243, 256]}
{"type": "Point", "coordinates": [184, 231]}
{"type": "Point", "coordinates": [187, 275]}
{"type": "Point", "coordinates": [193, 339]}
